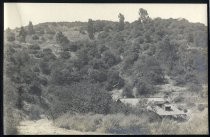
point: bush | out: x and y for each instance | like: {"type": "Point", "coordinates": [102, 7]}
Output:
{"type": "Point", "coordinates": [34, 113]}
{"type": "Point", "coordinates": [65, 55]}
{"type": "Point", "coordinates": [143, 88]}
{"type": "Point", "coordinates": [201, 107]}
{"type": "Point", "coordinates": [82, 97]}
{"type": "Point", "coordinates": [127, 91]}
{"type": "Point", "coordinates": [39, 54]}
{"type": "Point", "coordinates": [180, 81]}
{"type": "Point", "coordinates": [47, 50]}
{"type": "Point", "coordinates": [118, 107]}
{"type": "Point", "coordinates": [34, 47]}
{"type": "Point", "coordinates": [98, 76]}
{"type": "Point", "coordinates": [73, 46]}
{"type": "Point", "coordinates": [36, 69]}
{"type": "Point", "coordinates": [44, 67]}
{"type": "Point", "coordinates": [114, 80]}
{"type": "Point", "coordinates": [61, 39]}
{"type": "Point", "coordinates": [190, 104]}
{"type": "Point", "coordinates": [43, 39]}
{"type": "Point", "coordinates": [35, 89]}
{"type": "Point", "coordinates": [110, 58]}
{"type": "Point", "coordinates": [49, 31]}
{"type": "Point", "coordinates": [49, 57]}
{"type": "Point", "coordinates": [178, 99]}
{"type": "Point", "coordinates": [10, 37]}
{"type": "Point", "coordinates": [43, 81]}
{"type": "Point", "coordinates": [35, 37]}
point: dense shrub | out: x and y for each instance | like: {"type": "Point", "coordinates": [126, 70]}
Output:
{"type": "Point", "coordinates": [40, 54]}
{"type": "Point", "coordinates": [110, 58]}
{"type": "Point", "coordinates": [62, 40]}
{"type": "Point", "coordinates": [80, 97]}
{"type": "Point", "coordinates": [47, 50]}
{"type": "Point", "coordinates": [49, 57]}
{"type": "Point", "coordinates": [35, 37]}
{"type": "Point", "coordinates": [143, 88]}
{"type": "Point", "coordinates": [44, 67]}
{"type": "Point", "coordinates": [114, 80]}
{"type": "Point", "coordinates": [34, 47]}
{"type": "Point", "coordinates": [65, 55]}
{"type": "Point", "coordinates": [35, 112]}
{"type": "Point", "coordinates": [178, 99]}
{"type": "Point", "coordinates": [22, 35]}
{"type": "Point", "coordinates": [36, 69]}
{"type": "Point", "coordinates": [98, 76]}
{"type": "Point", "coordinates": [127, 91]}
{"type": "Point", "coordinates": [35, 89]}
{"type": "Point", "coordinates": [10, 37]}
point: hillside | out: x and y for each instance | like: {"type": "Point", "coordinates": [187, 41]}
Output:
{"type": "Point", "coordinates": [58, 67]}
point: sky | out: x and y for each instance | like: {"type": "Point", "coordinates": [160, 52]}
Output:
{"type": "Point", "coordinates": [19, 14]}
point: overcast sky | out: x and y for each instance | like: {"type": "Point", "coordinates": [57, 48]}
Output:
{"type": "Point", "coordinates": [16, 15]}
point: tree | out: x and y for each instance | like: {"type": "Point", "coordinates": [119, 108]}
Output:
{"type": "Point", "coordinates": [65, 55]}
{"type": "Point", "coordinates": [168, 53]}
{"type": "Point", "coordinates": [97, 75]}
{"type": "Point", "coordinates": [90, 29]}
{"type": "Point", "coordinates": [143, 15]}
{"type": "Point", "coordinates": [127, 91]}
{"type": "Point", "coordinates": [62, 41]}
{"type": "Point", "coordinates": [121, 21]}
{"type": "Point", "coordinates": [10, 36]}
{"type": "Point", "coordinates": [60, 38]}
{"type": "Point", "coordinates": [30, 28]}
{"type": "Point", "coordinates": [22, 34]}
{"type": "Point", "coordinates": [143, 88]}
{"type": "Point", "coordinates": [110, 59]}
{"type": "Point", "coordinates": [114, 80]}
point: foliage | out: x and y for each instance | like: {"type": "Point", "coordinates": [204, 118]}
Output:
{"type": "Point", "coordinates": [77, 76]}
{"type": "Point", "coordinates": [10, 35]}
{"type": "Point", "coordinates": [127, 91]}
{"type": "Point", "coordinates": [35, 37]}
{"type": "Point", "coordinates": [121, 21]}
{"type": "Point", "coordinates": [72, 98]}
{"type": "Point", "coordinates": [90, 29]}
{"type": "Point", "coordinates": [22, 34]}
{"type": "Point", "coordinates": [143, 15]}
{"type": "Point", "coordinates": [114, 80]}
{"type": "Point", "coordinates": [30, 28]}
{"type": "Point", "coordinates": [65, 55]}
{"type": "Point", "coordinates": [34, 47]}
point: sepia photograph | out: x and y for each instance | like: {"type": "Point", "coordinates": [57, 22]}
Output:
{"type": "Point", "coordinates": [105, 69]}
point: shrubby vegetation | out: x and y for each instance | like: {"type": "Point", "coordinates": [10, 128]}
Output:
{"type": "Point", "coordinates": [79, 76]}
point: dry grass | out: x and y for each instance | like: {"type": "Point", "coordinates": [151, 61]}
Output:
{"type": "Point", "coordinates": [112, 123]}
{"type": "Point", "coordinates": [133, 124]}
{"type": "Point", "coordinates": [198, 124]}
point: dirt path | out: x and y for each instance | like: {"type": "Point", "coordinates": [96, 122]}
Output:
{"type": "Point", "coordinates": [46, 127]}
